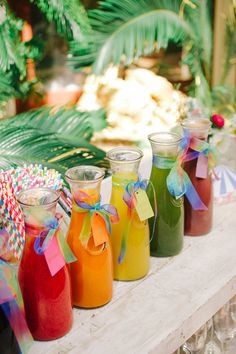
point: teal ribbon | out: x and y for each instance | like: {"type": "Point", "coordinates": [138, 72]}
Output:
{"type": "Point", "coordinates": [178, 182]}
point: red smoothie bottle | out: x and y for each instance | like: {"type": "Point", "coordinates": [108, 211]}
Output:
{"type": "Point", "coordinates": [47, 298]}
{"type": "Point", "coordinates": [198, 222]}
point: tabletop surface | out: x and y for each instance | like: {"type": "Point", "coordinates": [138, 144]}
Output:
{"type": "Point", "coordinates": [157, 313]}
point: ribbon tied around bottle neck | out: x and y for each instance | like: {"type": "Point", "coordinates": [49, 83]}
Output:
{"type": "Point", "coordinates": [97, 217]}
{"type": "Point", "coordinates": [11, 304]}
{"type": "Point", "coordinates": [178, 181]}
{"type": "Point", "coordinates": [54, 243]}
{"type": "Point", "coordinates": [130, 199]}
{"type": "Point", "coordinates": [206, 155]}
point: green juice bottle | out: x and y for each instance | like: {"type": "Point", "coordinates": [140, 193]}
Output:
{"type": "Point", "coordinates": [169, 230]}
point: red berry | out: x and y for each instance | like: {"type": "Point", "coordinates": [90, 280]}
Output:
{"type": "Point", "coordinates": [218, 120]}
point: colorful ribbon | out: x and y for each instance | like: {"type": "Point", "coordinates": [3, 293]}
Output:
{"type": "Point", "coordinates": [130, 200]}
{"type": "Point", "coordinates": [178, 182]}
{"type": "Point", "coordinates": [106, 211]}
{"type": "Point", "coordinates": [12, 305]}
{"type": "Point", "coordinates": [202, 147]}
{"type": "Point", "coordinates": [52, 230]}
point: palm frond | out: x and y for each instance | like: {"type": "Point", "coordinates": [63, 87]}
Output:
{"type": "Point", "coordinates": [201, 88]}
{"type": "Point", "coordinates": [10, 45]}
{"type": "Point", "coordinates": [7, 89]}
{"type": "Point", "coordinates": [230, 44]}
{"type": "Point", "coordinates": [24, 139]}
{"type": "Point", "coordinates": [198, 16]}
{"type": "Point", "coordinates": [69, 15]}
{"type": "Point", "coordinates": [127, 29]}
{"type": "Point", "coordinates": [68, 122]}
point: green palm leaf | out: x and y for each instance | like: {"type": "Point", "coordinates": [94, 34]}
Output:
{"type": "Point", "coordinates": [21, 141]}
{"type": "Point", "coordinates": [69, 15]}
{"type": "Point", "coordinates": [10, 45]}
{"type": "Point", "coordinates": [128, 29]}
{"type": "Point", "coordinates": [69, 122]}
{"type": "Point", "coordinates": [198, 16]}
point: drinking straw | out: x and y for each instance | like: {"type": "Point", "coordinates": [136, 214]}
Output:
{"type": "Point", "coordinates": [11, 214]}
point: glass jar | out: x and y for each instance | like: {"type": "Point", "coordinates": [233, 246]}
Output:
{"type": "Point", "coordinates": [8, 340]}
{"type": "Point", "coordinates": [130, 233]}
{"type": "Point", "coordinates": [91, 275]}
{"type": "Point", "coordinates": [168, 235]}
{"type": "Point", "coordinates": [198, 222]}
{"type": "Point", "coordinates": [47, 298]}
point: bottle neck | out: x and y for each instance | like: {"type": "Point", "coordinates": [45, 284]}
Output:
{"type": "Point", "coordinates": [165, 151]}
{"type": "Point", "coordinates": [89, 195]}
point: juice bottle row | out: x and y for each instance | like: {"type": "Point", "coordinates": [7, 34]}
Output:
{"type": "Point", "coordinates": [112, 241]}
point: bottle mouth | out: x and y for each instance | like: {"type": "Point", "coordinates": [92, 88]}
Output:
{"type": "Point", "coordinates": [196, 124]}
{"type": "Point", "coordinates": [36, 197]}
{"type": "Point", "coordinates": [124, 155]}
{"type": "Point", "coordinates": [84, 174]}
{"type": "Point", "coordinates": [164, 138]}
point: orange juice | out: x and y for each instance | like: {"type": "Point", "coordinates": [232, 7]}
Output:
{"type": "Point", "coordinates": [92, 273]}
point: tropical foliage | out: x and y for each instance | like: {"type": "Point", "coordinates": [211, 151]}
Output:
{"type": "Point", "coordinates": [124, 30]}
{"type": "Point", "coordinates": [117, 31]}
{"type": "Point", "coordinates": [69, 15]}
{"type": "Point", "coordinates": [13, 56]}
{"type": "Point", "coordinates": [59, 139]}
{"type": "Point", "coordinates": [56, 138]}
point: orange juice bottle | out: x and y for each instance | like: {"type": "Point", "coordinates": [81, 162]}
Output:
{"type": "Point", "coordinates": [92, 273]}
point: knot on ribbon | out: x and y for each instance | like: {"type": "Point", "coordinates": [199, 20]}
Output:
{"type": "Point", "coordinates": [177, 181]}
{"type": "Point", "coordinates": [130, 200]}
{"type": "Point", "coordinates": [202, 147]}
{"type": "Point", "coordinates": [52, 230]}
{"type": "Point", "coordinates": [51, 226]}
{"type": "Point", "coordinates": [130, 189]}
{"type": "Point", "coordinates": [106, 212]}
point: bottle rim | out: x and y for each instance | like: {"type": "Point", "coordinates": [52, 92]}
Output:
{"type": "Point", "coordinates": [35, 191]}
{"type": "Point", "coordinates": [113, 153]}
{"type": "Point", "coordinates": [84, 168]}
{"type": "Point", "coordinates": [191, 124]}
{"type": "Point", "coordinates": [171, 138]}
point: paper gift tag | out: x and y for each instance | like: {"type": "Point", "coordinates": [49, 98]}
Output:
{"type": "Point", "coordinates": [54, 257]}
{"type": "Point", "coordinates": [202, 166]}
{"type": "Point", "coordinates": [99, 230]}
{"type": "Point", "coordinates": [143, 206]}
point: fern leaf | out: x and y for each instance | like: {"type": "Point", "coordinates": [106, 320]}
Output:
{"type": "Point", "coordinates": [10, 45]}
{"type": "Point", "coordinates": [69, 15]}
{"type": "Point", "coordinates": [128, 29]}
{"type": "Point", "coordinates": [34, 137]}
{"type": "Point", "coordinates": [198, 17]}
{"type": "Point", "coordinates": [69, 122]}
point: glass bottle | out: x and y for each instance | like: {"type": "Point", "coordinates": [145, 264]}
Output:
{"type": "Point", "coordinates": [92, 274]}
{"type": "Point", "coordinates": [124, 164]}
{"type": "Point", "coordinates": [168, 235]}
{"type": "Point", "coordinates": [198, 222]}
{"type": "Point", "coordinates": [8, 340]}
{"type": "Point", "coordinates": [47, 298]}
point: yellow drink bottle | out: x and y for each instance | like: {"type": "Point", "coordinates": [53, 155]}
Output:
{"type": "Point", "coordinates": [135, 263]}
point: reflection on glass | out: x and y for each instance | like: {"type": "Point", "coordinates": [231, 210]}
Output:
{"type": "Point", "coordinates": [225, 327]}
{"type": "Point", "coordinates": [198, 340]}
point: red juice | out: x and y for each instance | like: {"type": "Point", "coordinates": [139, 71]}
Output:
{"type": "Point", "coordinates": [47, 299]}
{"type": "Point", "coordinates": [198, 222]}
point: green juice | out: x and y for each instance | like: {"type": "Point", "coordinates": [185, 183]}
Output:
{"type": "Point", "coordinates": [168, 235]}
